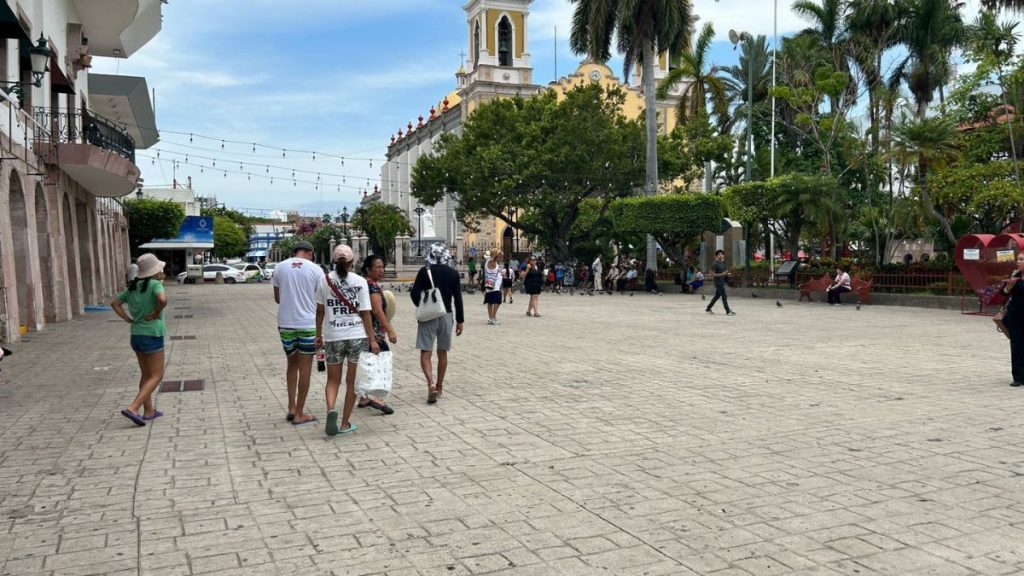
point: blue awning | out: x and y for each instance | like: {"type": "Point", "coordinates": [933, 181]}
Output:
{"type": "Point", "coordinates": [256, 254]}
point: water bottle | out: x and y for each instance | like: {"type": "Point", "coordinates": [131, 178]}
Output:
{"type": "Point", "coordinates": [321, 361]}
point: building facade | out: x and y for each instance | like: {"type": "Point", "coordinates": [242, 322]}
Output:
{"type": "Point", "coordinates": [499, 66]}
{"type": "Point", "coordinates": [68, 140]}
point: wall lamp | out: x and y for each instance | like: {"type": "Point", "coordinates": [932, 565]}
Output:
{"type": "Point", "coordinates": [39, 55]}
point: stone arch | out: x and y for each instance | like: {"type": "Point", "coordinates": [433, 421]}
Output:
{"type": "Point", "coordinates": [86, 254]}
{"type": "Point", "coordinates": [71, 256]}
{"type": "Point", "coordinates": [46, 276]}
{"type": "Point", "coordinates": [23, 285]}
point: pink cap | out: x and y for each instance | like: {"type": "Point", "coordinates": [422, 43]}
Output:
{"type": "Point", "coordinates": [343, 252]}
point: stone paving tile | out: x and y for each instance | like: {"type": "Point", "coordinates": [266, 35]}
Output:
{"type": "Point", "coordinates": [613, 436]}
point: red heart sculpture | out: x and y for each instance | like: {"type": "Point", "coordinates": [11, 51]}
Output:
{"type": "Point", "coordinates": [980, 265]}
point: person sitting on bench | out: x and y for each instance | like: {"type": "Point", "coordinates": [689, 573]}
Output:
{"type": "Point", "coordinates": [696, 282]}
{"type": "Point", "coordinates": [840, 285]}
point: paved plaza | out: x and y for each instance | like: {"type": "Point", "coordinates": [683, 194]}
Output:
{"type": "Point", "coordinates": [613, 435]}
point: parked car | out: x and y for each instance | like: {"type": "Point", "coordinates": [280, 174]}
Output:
{"type": "Point", "coordinates": [231, 275]}
{"type": "Point", "coordinates": [252, 271]}
{"type": "Point", "coordinates": [268, 270]}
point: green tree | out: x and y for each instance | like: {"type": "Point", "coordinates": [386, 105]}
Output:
{"type": "Point", "coordinates": [675, 220]}
{"type": "Point", "coordinates": [701, 82]}
{"type": "Point", "coordinates": [871, 32]}
{"type": "Point", "coordinates": [926, 144]}
{"type": "Point", "coordinates": [986, 193]}
{"type": "Point", "coordinates": [149, 219]}
{"type": "Point", "coordinates": [526, 155]}
{"type": "Point", "coordinates": [686, 151]}
{"type": "Point", "coordinates": [382, 224]}
{"type": "Point", "coordinates": [228, 238]}
{"type": "Point", "coordinates": [642, 28]}
{"type": "Point", "coordinates": [1008, 4]}
{"type": "Point", "coordinates": [929, 30]}
{"type": "Point", "coordinates": [322, 237]}
{"type": "Point", "coordinates": [241, 220]}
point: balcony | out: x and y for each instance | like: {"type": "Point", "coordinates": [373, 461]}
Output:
{"type": "Point", "coordinates": [94, 151]}
{"type": "Point", "coordinates": [118, 28]}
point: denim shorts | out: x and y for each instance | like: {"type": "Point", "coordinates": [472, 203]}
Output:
{"type": "Point", "coordinates": [147, 344]}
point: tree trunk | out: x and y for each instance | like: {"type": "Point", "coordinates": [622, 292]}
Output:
{"type": "Point", "coordinates": [651, 117]}
{"type": "Point", "coordinates": [922, 182]}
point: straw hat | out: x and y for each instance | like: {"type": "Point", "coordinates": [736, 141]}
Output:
{"type": "Point", "coordinates": [149, 265]}
{"type": "Point", "coordinates": [392, 304]}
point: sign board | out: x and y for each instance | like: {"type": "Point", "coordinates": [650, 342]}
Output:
{"type": "Point", "coordinates": [195, 232]}
{"type": "Point", "coordinates": [1004, 256]}
{"type": "Point", "coordinates": [972, 254]}
{"type": "Point", "coordinates": [787, 268]}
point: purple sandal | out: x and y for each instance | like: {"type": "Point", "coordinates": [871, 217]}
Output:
{"type": "Point", "coordinates": [156, 414]}
{"type": "Point", "coordinates": [139, 421]}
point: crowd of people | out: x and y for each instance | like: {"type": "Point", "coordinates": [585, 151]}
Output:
{"type": "Point", "coordinates": [344, 314]}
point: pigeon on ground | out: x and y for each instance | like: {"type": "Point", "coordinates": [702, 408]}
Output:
{"type": "Point", "coordinates": [630, 294]}
{"type": "Point", "coordinates": [752, 295]}
{"type": "Point", "coordinates": [779, 304]}
{"type": "Point", "coordinates": [858, 306]}
{"type": "Point", "coordinates": [703, 297]}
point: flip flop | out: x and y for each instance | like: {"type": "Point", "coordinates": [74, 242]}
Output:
{"type": "Point", "coordinates": [384, 408]}
{"type": "Point", "coordinates": [290, 417]}
{"type": "Point", "coordinates": [351, 428]}
{"type": "Point", "coordinates": [432, 396]}
{"type": "Point", "coordinates": [308, 421]}
{"type": "Point", "coordinates": [156, 414]}
{"type": "Point", "coordinates": [332, 423]}
{"type": "Point", "coordinates": [133, 417]}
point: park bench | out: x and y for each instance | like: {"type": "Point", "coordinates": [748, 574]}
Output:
{"type": "Point", "coordinates": [858, 286]}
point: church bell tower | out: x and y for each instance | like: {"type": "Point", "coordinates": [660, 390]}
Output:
{"type": "Point", "coordinates": [499, 61]}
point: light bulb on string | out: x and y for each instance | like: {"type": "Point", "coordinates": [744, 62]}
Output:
{"type": "Point", "coordinates": [221, 144]}
{"type": "Point", "coordinates": [342, 161]}
{"type": "Point", "coordinates": [215, 162]}
{"type": "Point", "coordinates": [284, 153]}
{"type": "Point", "coordinates": [248, 177]}
{"type": "Point", "coordinates": [268, 169]}
{"type": "Point", "coordinates": [271, 180]}
{"type": "Point", "coordinates": [253, 147]}
{"type": "Point", "coordinates": [314, 156]}
{"type": "Point", "coordinates": [190, 138]}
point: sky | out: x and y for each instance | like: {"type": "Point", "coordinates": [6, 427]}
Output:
{"type": "Point", "coordinates": [335, 77]}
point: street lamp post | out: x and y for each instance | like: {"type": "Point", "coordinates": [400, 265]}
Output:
{"type": "Point", "coordinates": [39, 57]}
{"type": "Point", "coordinates": [419, 210]}
{"type": "Point", "coordinates": [736, 38]}
{"type": "Point", "coordinates": [344, 223]}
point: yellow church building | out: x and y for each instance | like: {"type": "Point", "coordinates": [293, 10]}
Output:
{"type": "Point", "coordinates": [498, 67]}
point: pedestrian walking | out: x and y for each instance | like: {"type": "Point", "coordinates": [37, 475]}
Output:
{"type": "Point", "coordinates": [492, 288]}
{"type": "Point", "coordinates": [720, 272]}
{"type": "Point", "coordinates": [146, 300]}
{"type": "Point", "coordinates": [295, 285]}
{"type": "Point", "coordinates": [1013, 288]}
{"type": "Point", "coordinates": [508, 281]}
{"type": "Point", "coordinates": [533, 281]}
{"type": "Point", "coordinates": [383, 331]}
{"type": "Point", "coordinates": [438, 332]}
{"type": "Point", "coordinates": [598, 274]}
{"type": "Point", "coordinates": [344, 328]}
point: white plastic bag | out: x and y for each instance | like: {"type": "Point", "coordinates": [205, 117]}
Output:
{"type": "Point", "coordinates": [373, 376]}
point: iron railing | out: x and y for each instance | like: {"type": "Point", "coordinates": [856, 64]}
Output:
{"type": "Point", "coordinates": [83, 127]}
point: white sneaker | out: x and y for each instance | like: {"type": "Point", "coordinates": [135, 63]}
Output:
{"type": "Point", "coordinates": [496, 323]}
{"type": "Point", "coordinates": [490, 321]}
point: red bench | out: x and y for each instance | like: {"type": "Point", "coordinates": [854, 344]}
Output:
{"type": "Point", "coordinates": [858, 286]}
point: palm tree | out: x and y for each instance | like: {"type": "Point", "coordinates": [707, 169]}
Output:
{"type": "Point", "coordinates": [755, 55]}
{"type": "Point", "coordinates": [643, 28]}
{"type": "Point", "coordinates": [1008, 4]}
{"type": "Point", "coordinates": [926, 143]}
{"type": "Point", "coordinates": [826, 25]}
{"type": "Point", "coordinates": [871, 32]}
{"type": "Point", "coordinates": [702, 80]}
{"type": "Point", "coordinates": [929, 30]}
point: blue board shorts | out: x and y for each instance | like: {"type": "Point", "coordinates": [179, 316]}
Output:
{"type": "Point", "coordinates": [147, 344]}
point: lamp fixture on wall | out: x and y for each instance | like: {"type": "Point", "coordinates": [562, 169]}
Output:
{"type": "Point", "coordinates": [39, 55]}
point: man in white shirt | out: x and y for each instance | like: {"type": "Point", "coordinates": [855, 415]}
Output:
{"type": "Point", "coordinates": [295, 284]}
{"type": "Point", "coordinates": [840, 285]}
{"type": "Point", "coordinates": [598, 272]}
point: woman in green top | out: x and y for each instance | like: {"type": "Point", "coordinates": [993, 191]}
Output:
{"type": "Point", "coordinates": [146, 300]}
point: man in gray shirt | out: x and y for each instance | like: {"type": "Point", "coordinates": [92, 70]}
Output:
{"type": "Point", "coordinates": [719, 271]}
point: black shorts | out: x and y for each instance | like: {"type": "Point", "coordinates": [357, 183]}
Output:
{"type": "Point", "coordinates": [492, 297]}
